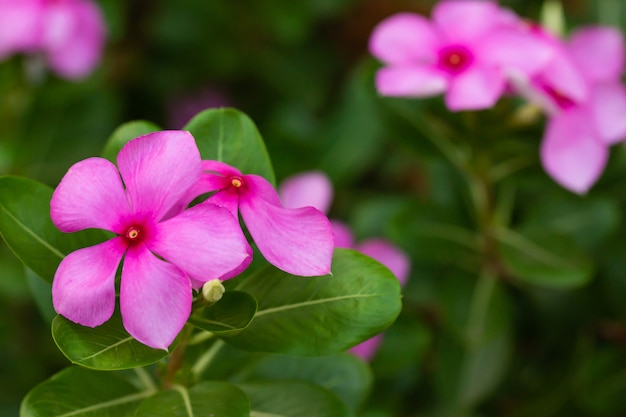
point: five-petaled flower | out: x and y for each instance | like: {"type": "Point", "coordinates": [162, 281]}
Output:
{"type": "Point", "coordinates": [467, 51]}
{"type": "Point", "coordinates": [298, 241]}
{"type": "Point", "coordinates": [167, 251]}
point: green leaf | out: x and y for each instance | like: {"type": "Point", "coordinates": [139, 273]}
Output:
{"type": "Point", "coordinates": [292, 399]}
{"type": "Point", "coordinates": [26, 227]}
{"type": "Point", "coordinates": [42, 295]}
{"type": "Point", "coordinates": [106, 347]}
{"type": "Point", "coordinates": [125, 133]}
{"type": "Point", "coordinates": [343, 374]}
{"type": "Point", "coordinates": [228, 316]}
{"type": "Point", "coordinates": [320, 315]}
{"type": "Point", "coordinates": [78, 392]}
{"type": "Point", "coordinates": [229, 136]}
{"type": "Point", "coordinates": [217, 399]}
{"type": "Point", "coordinates": [544, 258]}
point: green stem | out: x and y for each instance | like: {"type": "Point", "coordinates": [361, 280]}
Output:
{"type": "Point", "coordinates": [205, 360]}
{"type": "Point", "coordinates": [481, 298]}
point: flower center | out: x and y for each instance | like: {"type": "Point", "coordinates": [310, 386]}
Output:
{"type": "Point", "coordinates": [455, 58]}
{"type": "Point", "coordinates": [236, 182]}
{"type": "Point", "coordinates": [133, 234]}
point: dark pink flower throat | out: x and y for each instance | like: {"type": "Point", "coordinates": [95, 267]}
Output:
{"type": "Point", "coordinates": [134, 234]}
{"type": "Point", "coordinates": [455, 58]}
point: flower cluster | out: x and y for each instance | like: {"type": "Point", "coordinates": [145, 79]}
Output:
{"type": "Point", "coordinates": [68, 34]}
{"type": "Point", "coordinates": [475, 51]}
{"type": "Point", "coordinates": [168, 248]}
{"type": "Point", "coordinates": [314, 189]}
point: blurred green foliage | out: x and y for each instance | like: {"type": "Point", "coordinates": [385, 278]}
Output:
{"type": "Point", "coordinates": [548, 338]}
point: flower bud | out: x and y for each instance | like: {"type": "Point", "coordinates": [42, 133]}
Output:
{"type": "Point", "coordinates": [213, 290]}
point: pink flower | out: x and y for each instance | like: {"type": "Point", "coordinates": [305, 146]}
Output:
{"type": "Point", "coordinates": [164, 250]}
{"type": "Point", "coordinates": [466, 52]}
{"type": "Point", "coordinates": [586, 104]}
{"type": "Point", "coordinates": [69, 34]}
{"type": "Point", "coordinates": [297, 241]}
{"type": "Point", "coordinates": [315, 189]}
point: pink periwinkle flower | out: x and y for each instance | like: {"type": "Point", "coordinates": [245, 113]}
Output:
{"type": "Point", "coordinates": [467, 52]}
{"type": "Point", "coordinates": [164, 250]}
{"type": "Point", "coordinates": [585, 100]}
{"type": "Point", "coordinates": [314, 189]}
{"type": "Point", "coordinates": [69, 34]}
{"type": "Point", "coordinates": [297, 241]}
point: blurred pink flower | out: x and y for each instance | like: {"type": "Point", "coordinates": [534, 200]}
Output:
{"type": "Point", "coordinates": [466, 52]}
{"type": "Point", "coordinates": [163, 253]}
{"type": "Point", "coordinates": [69, 34]}
{"type": "Point", "coordinates": [582, 93]}
{"type": "Point", "coordinates": [297, 241]}
{"type": "Point", "coordinates": [314, 189]}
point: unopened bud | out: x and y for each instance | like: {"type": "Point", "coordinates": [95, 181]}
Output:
{"type": "Point", "coordinates": [213, 290]}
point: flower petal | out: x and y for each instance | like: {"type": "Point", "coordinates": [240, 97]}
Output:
{"type": "Point", "coordinates": [155, 298]}
{"type": "Point", "coordinates": [598, 52]}
{"type": "Point", "coordinates": [476, 88]}
{"type": "Point", "coordinates": [19, 24]}
{"type": "Point", "coordinates": [608, 106]}
{"type": "Point", "coordinates": [298, 241]}
{"type": "Point", "coordinates": [205, 241]}
{"type": "Point", "coordinates": [410, 81]}
{"type": "Point", "coordinates": [343, 235]}
{"type": "Point", "coordinates": [367, 350]}
{"type": "Point", "coordinates": [74, 34]}
{"type": "Point", "coordinates": [90, 195]}
{"type": "Point", "coordinates": [513, 50]}
{"type": "Point", "coordinates": [83, 289]}
{"type": "Point", "coordinates": [465, 20]}
{"type": "Point", "coordinates": [404, 38]}
{"type": "Point", "coordinates": [571, 153]}
{"type": "Point", "coordinates": [389, 255]}
{"type": "Point", "coordinates": [158, 170]}
{"type": "Point", "coordinates": [312, 189]}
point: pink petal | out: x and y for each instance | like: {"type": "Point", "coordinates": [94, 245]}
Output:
{"type": "Point", "coordinates": [75, 35]}
{"type": "Point", "coordinates": [20, 21]}
{"type": "Point", "coordinates": [158, 170]}
{"type": "Point", "coordinates": [564, 77]}
{"type": "Point", "coordinates": [571, 152]}
{"type": "Point", "coordinates": [312, 189]}
{"type": "Point", "coordinates": [83, 289]}
{"type": "Point", "coordinates": [598, 52]}
{"type": "Point", "coordinates": [155, 298]}
{"type": "Point", "coordinates": [298, 241]}
{"type": "Point", "coordinates": [389, 255]}
{"type": "Point", "coordinates": [476, 88]}
{"type": "Point", "coordinates": [90, 195]}
{"type": "Point", "coordinates": [465, 20]}
{"type": "Point", "coordinates": [608, 106]}
{"type": "Point", "coordinates": [367, 350]}
{"type": "Point", "coordinates": [410, 81]}
{"type": "Point", "coordinates": [343, 235]}
{"type": "Point", "coordinates": [404, 38]}
{"type": "Point", "coordinates": [513, 50]}
{"type": "Point", "coordinates": [205, 241]}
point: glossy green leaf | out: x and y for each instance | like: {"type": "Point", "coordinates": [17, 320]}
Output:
{"type": "Point", "coordinates": [344, 374]}
{"type": "Point", "coordinates": [217, 399]}
{"type": "Point", "coordinates": [230, 136]}
{"type": "Point", "coordinates": [42, 295]}
{"type": "Point", "coordinates": [544, 258]}
{"type": "Point", "coordinates": [320, 315]}
{"type": "Point", "coordinates": [106, 347]}
{"type": "Point", "coordinates": [78, 392]}
{"type": "Point", "coordinates": [26, 227]}
{"type": "Point", "coordinates": [228, 316]}
{"type": "Point", "coordinates": [292, 399]}
{"type": "Point", "coordinates": [125, 133]}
